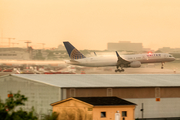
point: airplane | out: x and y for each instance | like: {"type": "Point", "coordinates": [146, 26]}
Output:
{"type": "Point", "coordinates": [122, 61]}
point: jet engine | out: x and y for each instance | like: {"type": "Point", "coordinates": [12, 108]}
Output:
{"type": "Point", "coordinates": [135, 64]}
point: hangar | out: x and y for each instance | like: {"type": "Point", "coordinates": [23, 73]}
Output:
{"type": "Point", "coordinates": [156, 95]}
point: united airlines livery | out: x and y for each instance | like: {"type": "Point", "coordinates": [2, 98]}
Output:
{"type": "Point", "coordinates": [122, 61]}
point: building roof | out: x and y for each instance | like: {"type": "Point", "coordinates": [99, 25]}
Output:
{"type": "Point", "coordinates": [104, 80]}
{"type": "Point", "coordinates": [97, 101]}
{"type": "Point", "coordinates": [104, 101]}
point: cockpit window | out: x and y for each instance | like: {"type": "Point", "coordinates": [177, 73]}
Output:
{"type": "Point", "coordinates": [170, 56]}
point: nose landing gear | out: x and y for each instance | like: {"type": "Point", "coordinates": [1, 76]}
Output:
{"type": "Point", "coordinates": [162, 65]}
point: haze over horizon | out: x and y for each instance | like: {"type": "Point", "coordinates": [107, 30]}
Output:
{"type": "Point", "coordinates": [91, 24]}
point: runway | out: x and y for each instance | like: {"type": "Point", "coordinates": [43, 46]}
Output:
{"type": "Point", "coordinates": [130, 71]}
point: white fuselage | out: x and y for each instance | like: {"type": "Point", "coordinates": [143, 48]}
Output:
{"type": "Point", "coordinates": [111, 60]}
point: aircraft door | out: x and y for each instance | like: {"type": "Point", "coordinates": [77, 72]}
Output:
{"type": "Point", "coordinates": [117, 116]}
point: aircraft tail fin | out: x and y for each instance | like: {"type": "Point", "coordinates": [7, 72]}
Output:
{"type": "Point", "coordinates": [95, 53]}
{"type": "Point", "coordinates": [72, 51]}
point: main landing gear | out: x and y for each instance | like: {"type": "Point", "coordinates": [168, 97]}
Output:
{"type": "Point", "coordinates": [162, 65]}
{"type": "Point", "coordinates": [119, 70]}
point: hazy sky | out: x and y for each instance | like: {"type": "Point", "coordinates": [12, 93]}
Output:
{"type": "Point", "coordinates": [91, 24]}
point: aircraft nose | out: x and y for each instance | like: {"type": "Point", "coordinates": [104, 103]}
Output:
{"type": "Point", "coordinates": [173, 59]}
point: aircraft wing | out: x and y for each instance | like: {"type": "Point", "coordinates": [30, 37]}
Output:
{"type": "Point", "coordinates": [121, 60]}
{"type": "Point", "coordinates": [72, 61]}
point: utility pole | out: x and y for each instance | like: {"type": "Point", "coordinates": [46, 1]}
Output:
{"type": "Point", "coordinates": [142, 109]}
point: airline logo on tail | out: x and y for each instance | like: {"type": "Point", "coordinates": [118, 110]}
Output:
{"type": "Point", "coordinates": [72, 51]}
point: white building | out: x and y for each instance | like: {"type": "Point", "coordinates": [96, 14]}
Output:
{"type": "Point", "coordinates": [15, 54]}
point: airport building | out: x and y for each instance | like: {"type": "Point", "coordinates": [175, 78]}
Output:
{"type": "Point", "coordinates": [125, 46]}
{"type": "Point", "coordinates": [155, 95]}
{"type": "Point", "coordinates": [169, 50]}
{"type": "Point", "coordinates": [16, 53]}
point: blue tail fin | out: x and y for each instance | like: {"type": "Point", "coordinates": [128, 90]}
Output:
{"type": "Point", "coordinates": [72, 51]}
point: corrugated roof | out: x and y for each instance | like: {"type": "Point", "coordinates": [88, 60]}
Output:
{"type": "Point", "coordinates": [105, 80]}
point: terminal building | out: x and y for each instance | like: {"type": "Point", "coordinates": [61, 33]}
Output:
{"type": "Point", "coordinates": [155, 95]}
{"type": "Point", "coordinates": [125, 46]}
{"type": "Point", "coordinates": [15, 53]}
